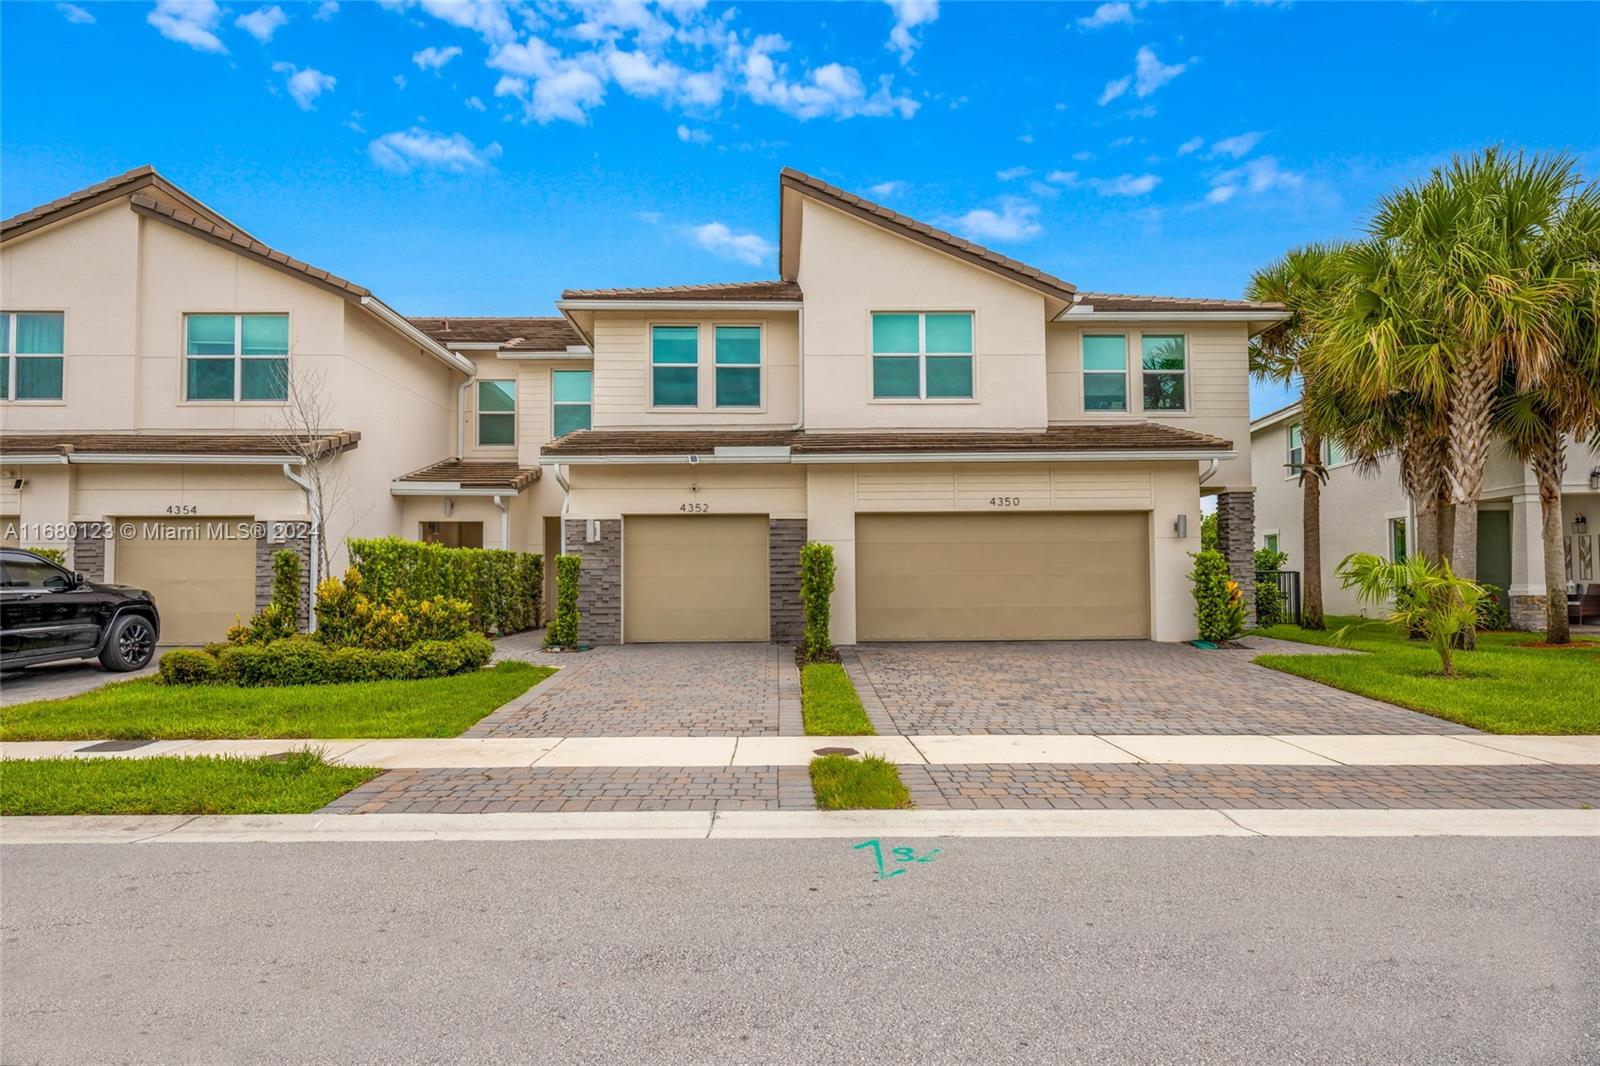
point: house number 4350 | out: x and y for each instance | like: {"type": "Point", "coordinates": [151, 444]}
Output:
{"type": "Point", "coordinates": [1005, 501]}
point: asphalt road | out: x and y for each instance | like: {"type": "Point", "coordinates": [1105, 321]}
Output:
{"type": "Point", "coordinates": [1097, 951]}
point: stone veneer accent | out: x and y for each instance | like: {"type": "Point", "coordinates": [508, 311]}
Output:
{"type": "Point", "coordinates": [600, 580]}
{"type": "Point", "coordinates": [1528, 612]}
{"type": "Point", "coordinates": [784, 538]}
{"type": "Point", "coordinates": [265, 550]}
{"type": "Point", "coordinates": [89, 555]}
{"type": "Point", "coordinates": [1236, 539]}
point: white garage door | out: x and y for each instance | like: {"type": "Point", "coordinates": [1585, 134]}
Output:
{"type": "Point", "coordinates": [201, 581]}
{"type": "Point", "coordinates": [700, 577]}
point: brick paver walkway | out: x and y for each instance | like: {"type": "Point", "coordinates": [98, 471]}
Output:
{"type": "Point", "coordinates": [662, 690]}
{"type": "Point", "coordinates": [1150, 786]}
{"type": "Point", "coordinates": [581, 789]}
{"type": "Point", "coordinates": [1106, 687]}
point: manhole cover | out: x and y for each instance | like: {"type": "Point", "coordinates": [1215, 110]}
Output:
{"type": "Point", "coordinates": [835, 751]}
{"type": "Point", "coordinates": [117, 745]}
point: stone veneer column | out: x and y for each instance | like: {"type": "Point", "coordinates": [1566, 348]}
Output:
{"type": "Point", "coordinates": [1236, 539]}
{"type": "Point", "coordinates": [784, 538]}
{"type": "Point", "coordinates": [600, 580]}
{"type": "Point", "coordinates": [89, 552]}
{"type": "Point", "coordinates": [265, 550]}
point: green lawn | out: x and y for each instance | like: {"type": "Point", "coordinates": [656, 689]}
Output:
{"type": "Point", "coordinates": [831, 706]}
{"type": "Point", "coordinates": [146, 709]}
{"type": "Point", "coordinates": [1502, 687]}
{"type": "Point", "coordinates": [841, 783]}
{"type": "Point", "coordinates": [208, 784]}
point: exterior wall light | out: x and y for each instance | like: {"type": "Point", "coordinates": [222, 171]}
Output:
{"type": "Point", "coordinates": [1580, 523]}
{"type": "Point", "coordinates": [1181, 527]}
{"type": "Point", "coordinates": [1594, 479]}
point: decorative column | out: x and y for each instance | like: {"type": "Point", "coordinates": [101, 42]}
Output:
{"type": "Point", "coordinates": [1527, 593]}
{"type": "Point", "coordinates": [599, 581]}
{"type": "Point", "coordinates": [1236, 539]}
{"type": "Point", "coordinates": [784, 538]}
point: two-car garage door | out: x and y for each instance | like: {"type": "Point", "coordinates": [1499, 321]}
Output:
{"type": "Point", "coordinates": [1035, 576]}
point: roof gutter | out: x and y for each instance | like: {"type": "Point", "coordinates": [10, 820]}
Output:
{"type": "Point", "coordinates": [450, 488]}
{"type": "Point", "coordinates": [396, 321]}
{"type": "Point", "coordinates": [677, 305]}
{"type": "Point", "coordinates": [1081, 311]}
{"type": "Point", "coordinates": [1145, 456]}
{"type": "Point", "coordinates": [76, 458]}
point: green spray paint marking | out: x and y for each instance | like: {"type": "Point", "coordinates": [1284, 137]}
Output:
{"type": "Point", "coordinates": [900, 855]}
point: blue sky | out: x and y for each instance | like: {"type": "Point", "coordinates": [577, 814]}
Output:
{"type": "Point", "coordinates": [476, 158]}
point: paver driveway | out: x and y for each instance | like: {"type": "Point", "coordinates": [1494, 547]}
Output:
{"type": "Point", "coordinates": [1106, 687]}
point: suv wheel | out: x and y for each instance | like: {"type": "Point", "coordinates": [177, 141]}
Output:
{"type": "Point", "coordinates": [130, 644]}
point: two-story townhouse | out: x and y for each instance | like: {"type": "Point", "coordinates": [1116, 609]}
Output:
{"type": "Point", "coordinates": [1370, 512]}
{"type": "Point", "coordinates": [992, 453]}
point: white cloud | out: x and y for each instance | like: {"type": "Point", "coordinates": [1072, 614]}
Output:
{"type": "Point", "coordinates": [1108, 15]}
{"type": "Point", "coordinates": [262, 23]}
{"type": "Point", "coordinates": [1115, 89]}
{"type": "Point", "coordinates": [1221, 194]}
{"type": "Point", "coordinates": [1083, 156]}
{"type": "Point", "coordinates": [399, 81]}
{"type": "Point", "coordinates": [1025, 138]}
{"type": "Point", "coordinates": [490, 19]}
{"type": "Point", "coordinates": [1120, 142]}
{"type": "Point", "coordinates": [1151, 74]}
{"type": "Point", "coordinates": [1125, 185]}
{"type": "Point", "coordinates": [189, 22]}
{"type": "Point", "coordinates": [908, 15]}
{"type": "Point", "coordinates": [1013, 173]}
{"type": "Point", "coordinates": [831, 91]}
{"type": "Point", "coordinates": [1255, 177]}
{"type": "Point", "coordinates": [885, 189]}
{"type": "Point", "coordinates": [475, 104]}
{"type": "Point", "coordinates": [1042, 190]}
{"type": "Point", "coordinates": [305, 85]}
{"type": "Point", "coordinates": [326, 10]}
{"type": "Point", "coordinates": [431, 58]}
{"type": "Point", "coordinates": [1238, 147]}
{"type": "Point", "coordinates": [719, 240]}
{"type": "Point", "coordinates": [1062, 177]}
{"type": "Point", "coordinates": [689, 136]}
{"type": "Point", "coordinates": [1193, 144]}
{"type": "Point", "coordinates": [1017, 220]}
{"type": "Point", "coordinates": [75, 14]}
{"type": "Point", "coordinates": [405, 150]}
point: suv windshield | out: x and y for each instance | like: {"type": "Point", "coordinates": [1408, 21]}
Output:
{"type": "Point", "coordinates": [21, 572]}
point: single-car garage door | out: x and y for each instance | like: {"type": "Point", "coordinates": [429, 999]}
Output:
{"type": "Point", "coordinates": [201, 579]}
{"type": "Point", "coordinates": [700, 577]}
{"type": "Point", "coordinates": [1002, 576]}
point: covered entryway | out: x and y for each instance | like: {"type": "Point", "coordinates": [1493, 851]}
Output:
{"type": "Point", "coordinates": [202, 572]}
{"type": "Point", "coordinates": [694, 578]}
{"type": "Point", "coordinates": [1038, 576]}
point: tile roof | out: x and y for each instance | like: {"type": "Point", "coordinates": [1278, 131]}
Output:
{"type": "Point", "coordinates": [103, 192]}
{"type": "Point", "coordinates": [1110, 437]}
{"type": "Point", "coordinates": [476, 473]}
{"type": "Point", "coordinates": [528, 334]}
{"type": "Point", "coordinates": [1112, 301]}
{"type": "Point", "coordinates": [923, 233]}
{"type": "Point", "coordinates": [207, 444]}
{"type": "Point", "coordinates": [734, 290]}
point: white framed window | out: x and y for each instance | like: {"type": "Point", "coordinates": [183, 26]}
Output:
{"type": "Point", "coordinates": [738, 365]}
{"type": "Point", "coordinates": [31, 362]}
{"type": "Point", "coordinates": [922, 355]}
{"type": "Point", "coordinates": [1164, 364]}
{"type": "Point", "coordinates": [1397, 539]}
{"type": "Point", "coordinates": [1269, 541]}
{"type": "Point", "coordinates": [674, 366]}
{"type": "Point", "coordinates": [1297, 449]}
{"type": "Point", "coordinates": [1105, 372]}
{"type": "Point", "coordinates": [497, 413]}
{"type": "Point", "coordinates": [237, 358]}
{"type": "Point", "coordinates": [571, 401]}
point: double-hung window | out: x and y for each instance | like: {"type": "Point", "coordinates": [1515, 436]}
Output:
{"type": "Point", "coordinates": [674, 366]}
{"type": "Point", "coordinates": [497, 413]}
{"type": "Point", "coordinates": [30, 355]}
{"type": "Point", "coordinates": [1165, 362]}
{"type": "Point", "coordinates": [236, 357]}
{"type": "Point", "coordinates": [738, 366]}
{"type": "Point", "coordinates": [1105, 372]}
{"type": "Point", "coordinates": [1297, 449]}
{"type": "Point", "coordinates": [572, 395]}
{"type": "Point", "coordinates": [1397, 540]}
{"type": "Point", "coordinates": [922, 356]}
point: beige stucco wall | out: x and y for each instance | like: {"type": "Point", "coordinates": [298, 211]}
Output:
{"type": "Point", "coordinates": [777, 490]}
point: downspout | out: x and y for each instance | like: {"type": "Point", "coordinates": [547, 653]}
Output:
{"type": "Point", "coordinates": [1210, 471]}
{"type": "Point", "coordinates": [314, 505]}
{"type": "Point", "coordinates": [505, 523]}
{"type": "Point", "coordinates": [461, 417]}
{"type": "Point", "coordinates": [800, 340]}
{"type": "Point", "coordinates": [566, 499]}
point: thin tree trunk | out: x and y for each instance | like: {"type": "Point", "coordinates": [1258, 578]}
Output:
{"type": "Point", "coordinates": [1470, 407]}
{"type": "Point", "coordinates": [1311, 534]}
{"type": "Point", "coordinates": [1548, 463]}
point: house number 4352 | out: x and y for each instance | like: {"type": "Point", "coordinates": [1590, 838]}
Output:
{"type": "Point", "coordinates": [694, 508]}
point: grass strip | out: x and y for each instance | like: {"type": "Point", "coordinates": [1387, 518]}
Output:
{"type": "Point", "coordinates": [146, 709]}
{"type": "Point", "coordinates": [1505, 686]}
{"type": "Point", "coordinates": [872, 783]}
{"type": "Point", "coordinates": [298, 783]}
{"type": "Point", "coordinates": [830, 705]}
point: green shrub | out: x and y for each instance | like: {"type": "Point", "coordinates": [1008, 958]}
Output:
{"type": "Point", "coordinates": [563, 630]}
{"type": "Point", "coordinates": [286, 581]}
{"type": "Point", "coordinates": [502, 588]}
{"type": "Point", "coordinates": [1208, 532]}
{"type": "Point", "coordinates": [1269, 603]}
{"type": "Point", "coordinates": [55, 555]}
{"type": "Point", "coordinates": [347, 616]}
{"type": "Point", "coordinates": [1219, 602]}
{"type": "Point", "coordinates": [442, 658]}
{"type": "Point", "coordinates": [280, 618]}
{"type": "Point", "coordinates": [1494, 612]}
{"type": "Point", "coordinates": [186, 666]}
{"type": "Point", "coordinates": [816, 595]}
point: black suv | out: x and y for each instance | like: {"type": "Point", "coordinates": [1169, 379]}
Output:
{"type": "Point", "coordinates": [48, 614]}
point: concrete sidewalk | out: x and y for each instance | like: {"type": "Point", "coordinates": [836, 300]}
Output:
{"type": "Point", "coordinates": [974, 749]}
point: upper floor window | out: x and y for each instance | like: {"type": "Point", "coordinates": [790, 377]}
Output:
{"type": "Point", "coordinates": [30, 354]}
{"type": "Point", "coordinates": [497, 413]}
{"type": "Point", "coordinates": [237, 357]}
{"type": "Point", "coordinates": [738, 366]}
{"type": "Point", "coordinates": [674, 366]}
{"type": "Point", "coordinates": [1166, 369]}
{"type": "Point", "coordinates": [1105, 372]}
{"type": "Point", "coordinates": [922, 356]}
{"type": "Point", "coordinates": [572, 395]}
{"type": "Point", "coordinates": [1297, 449]}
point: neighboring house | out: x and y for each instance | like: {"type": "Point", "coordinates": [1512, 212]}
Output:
{"type": "Point", "coordinates": [992, 453]}
{"type": "Point", "coordinates": [1370, 513]}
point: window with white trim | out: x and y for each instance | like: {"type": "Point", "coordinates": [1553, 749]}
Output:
{"type": "Point", "coordinates": [239, 358]}
{"type": "Point", "coordinates": [30, 355]}
{"type": "Point", "coordinates": [1164, 359]}
{"type": "Point", "coordinates": [572, 401]}
{"type": "Point", "coordinates": [1105, 372]}
{"type": "Point", "coordinates": [1397, 540]}
{"type": "Point", "coordinates": [497, 413]}
{"type": "Point", "coordinates": [674, 366]}
{"type": "Point", "coordinates": [922, 355]}
{"type": "Point", "coordinates": [738, 355]}
{"type": "Point", "coordinates": [1297, 448]}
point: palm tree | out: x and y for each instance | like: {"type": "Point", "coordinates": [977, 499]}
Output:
{"type": "Point", "coordinates": [1303, 280]}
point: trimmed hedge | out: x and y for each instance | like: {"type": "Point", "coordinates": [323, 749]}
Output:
{"type": "Point", "coordinates": [504, 588]}
{"type": "Point", "coordinates": [563, 629]}
{"type": "Point", "coordinates": [816, 595]}
{"type": "Point", "coordinates": [1219, 602]}
{"type": "Point", "coordinates": [305, 661]}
